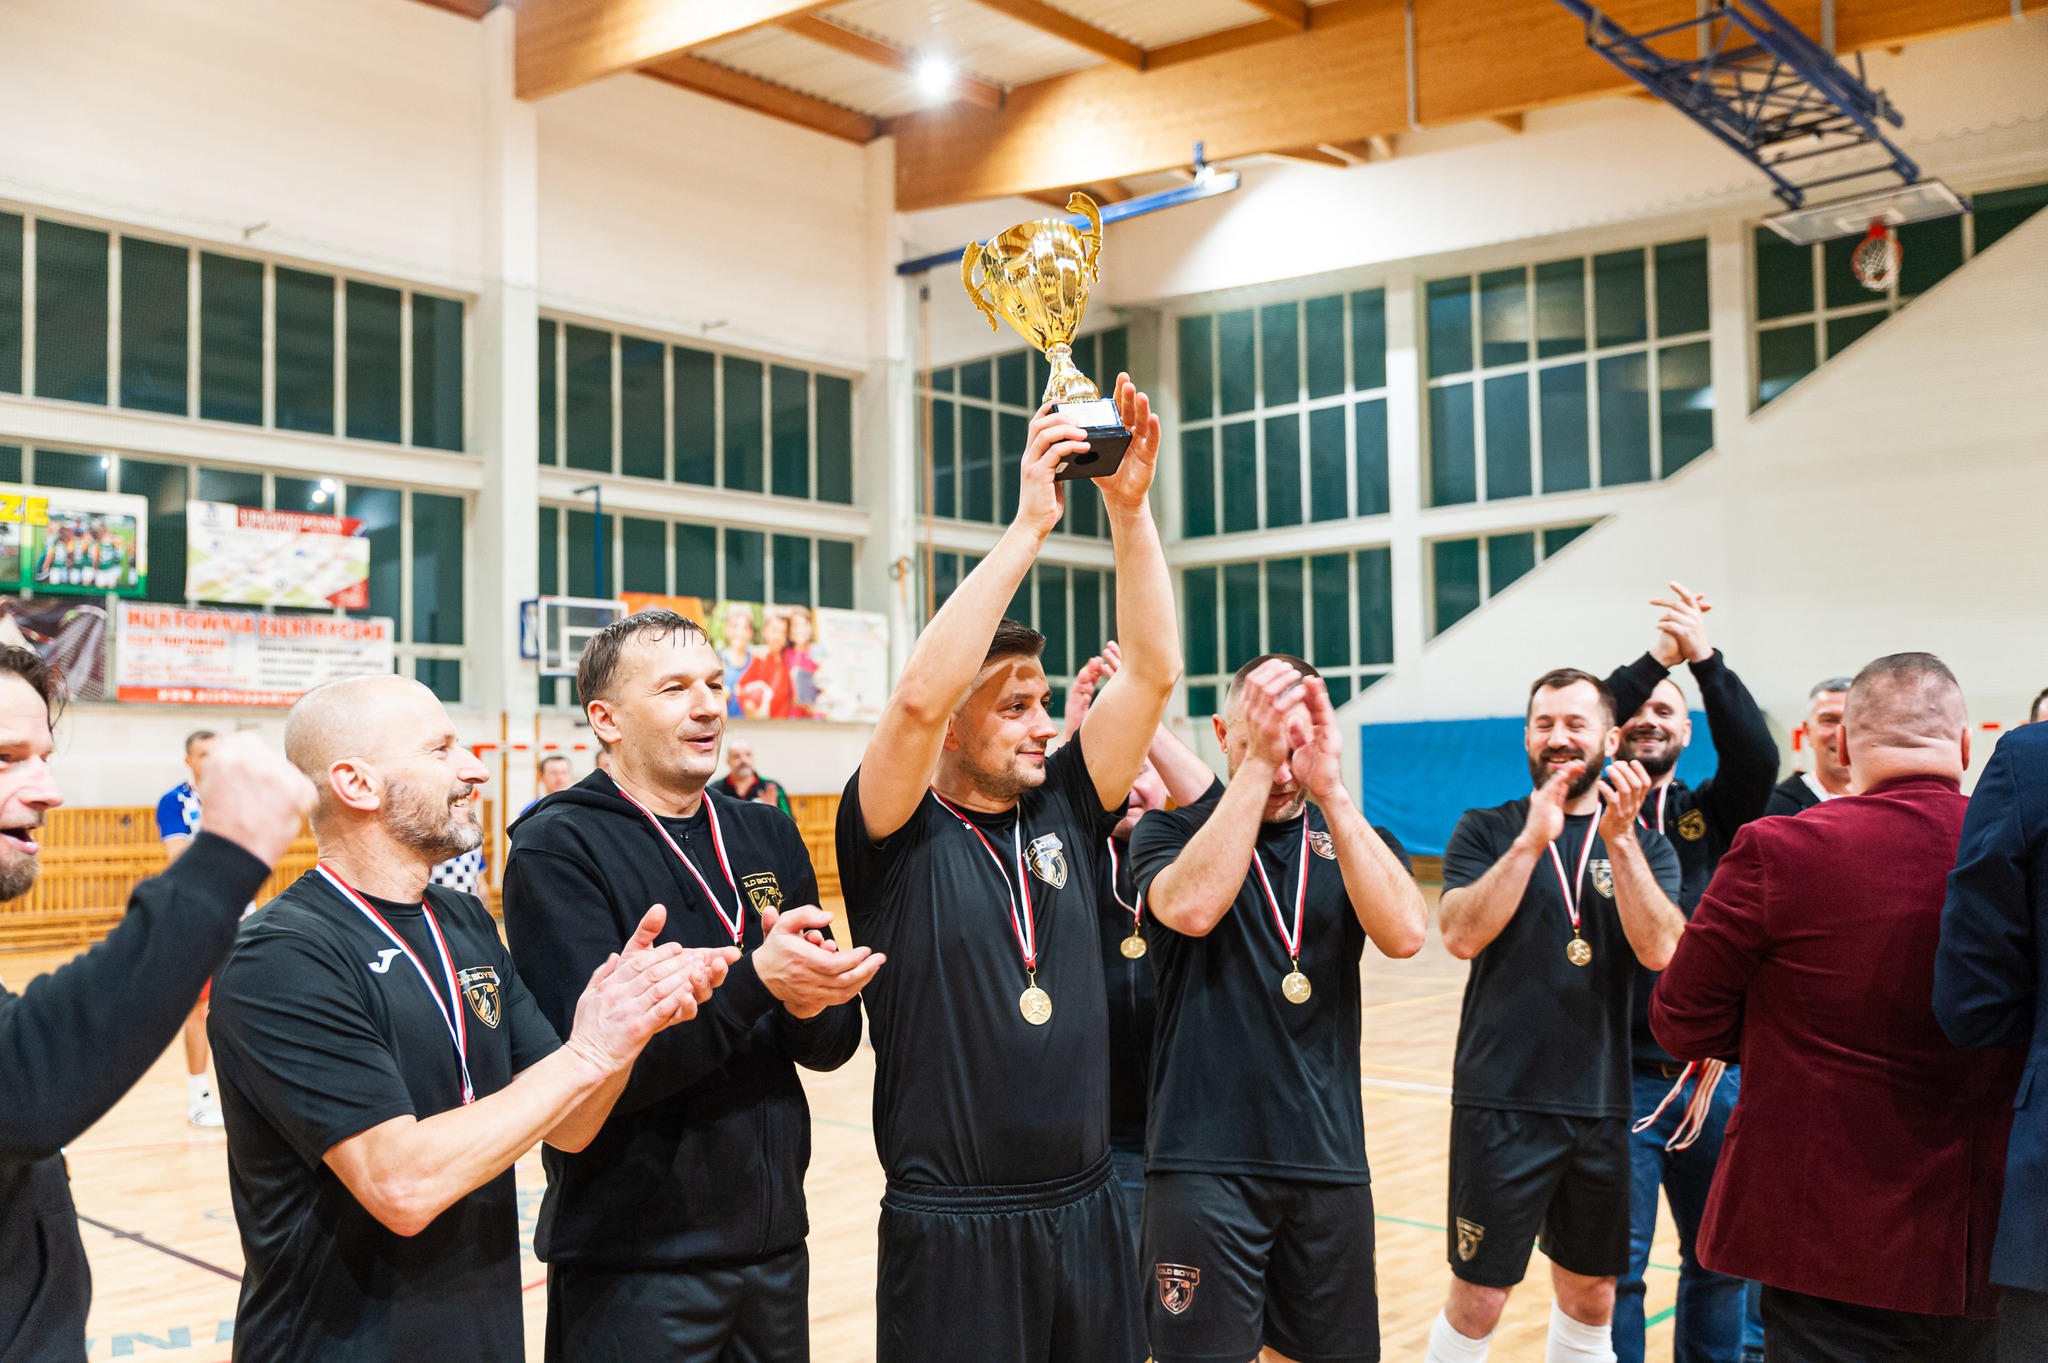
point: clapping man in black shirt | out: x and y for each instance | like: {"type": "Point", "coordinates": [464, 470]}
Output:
{"type": "Point", "coordinates": [678, 1232]}
{"type": "Point", "coordinates": [1554, 898]}
{"type": "Point", "coordinates": [1258, 1202]}
{"type": "Point", "coordinates": [969, 856]}
{"type": "Point", "coordinates": [382, 1066]}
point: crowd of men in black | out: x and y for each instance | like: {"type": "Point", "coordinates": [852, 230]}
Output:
{"type": "Point", "coordinates": [1115, 1007]}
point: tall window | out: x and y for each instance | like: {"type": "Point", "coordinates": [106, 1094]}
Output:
{"type": "Point", "coordinates": [1464, 573]}
{"type": "Point", "coordinates": [1336, 610]}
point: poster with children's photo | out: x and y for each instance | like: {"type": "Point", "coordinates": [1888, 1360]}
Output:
{"type": "Point", "coordinates": [73, 543]}
{"type": "Point", "coordinates": [782, 662]}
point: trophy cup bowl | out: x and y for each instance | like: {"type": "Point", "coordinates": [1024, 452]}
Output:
{"type": "Point", "coordinates": [1036, 276]}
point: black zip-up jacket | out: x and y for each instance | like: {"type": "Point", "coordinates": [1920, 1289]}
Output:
{"type": "Point", "coordinates": [1700, 824]}
{"type": "Point", "coordinates": [71, 1044]}
{"type": "Point", "coordinates": [703, 1157]}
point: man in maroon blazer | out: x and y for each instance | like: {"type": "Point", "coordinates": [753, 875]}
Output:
{"type": "Point", "coordinates": [1861, 1177]}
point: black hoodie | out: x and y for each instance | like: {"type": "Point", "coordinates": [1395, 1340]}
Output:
{"type": "Point", "coordinates": [703, 1158]}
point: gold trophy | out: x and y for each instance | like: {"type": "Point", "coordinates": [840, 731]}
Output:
{"type": "Point", "coordinates": [1037, 275]}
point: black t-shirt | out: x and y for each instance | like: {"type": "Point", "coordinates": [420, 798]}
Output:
{"type": "Point", "coordinates": [321, 1030]}
{"type": "Point", "coordinates": [967, 1092]}
{"type": "Point", "coordinates": [1244, 1082]}
{"type": "Point", "coordinates": [1539, 1034]}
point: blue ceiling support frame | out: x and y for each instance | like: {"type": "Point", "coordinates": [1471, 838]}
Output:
{"type": "Point", "coordinates": [1763, 88]}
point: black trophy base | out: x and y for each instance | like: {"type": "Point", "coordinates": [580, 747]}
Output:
{"type": "Point", "coordinates": [1107, 439]}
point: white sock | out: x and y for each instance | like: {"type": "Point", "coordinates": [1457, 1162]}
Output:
{"type": "Point", "coordinates": [1446, 1345]}
{"type": "Point", "coordinates": [1573, 1341]}
{"type": "Point", "coordinates": [196, 1088]}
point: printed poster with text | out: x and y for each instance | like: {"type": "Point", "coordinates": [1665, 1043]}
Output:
{"type": "Point", "coordinates": [251, 557]}
{"type": "Point", "coordinates": [178, 656]}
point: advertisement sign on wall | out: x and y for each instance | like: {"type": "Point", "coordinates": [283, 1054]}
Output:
{"type": "Point", "coordinates": [252, 557]}
{"type": "Point", "coordinates": [73, 543]}
{"type": "Point", "coordinates": [791, 662]}
{"type": "Point", "coordinates": [173, 655]}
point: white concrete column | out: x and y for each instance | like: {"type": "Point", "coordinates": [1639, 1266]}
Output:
{"type": "Point", "coordinates": [1405, 458]}
{"type": "Point", "coordinates": [886, 454]}
{"type": "Point", "coordinates": [1729, 339]}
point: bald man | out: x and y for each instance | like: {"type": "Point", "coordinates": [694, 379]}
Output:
{"type": "Point", "coordinates": [382, 1066]}
{"type": "Point", "coordinates": [1861, 1177]}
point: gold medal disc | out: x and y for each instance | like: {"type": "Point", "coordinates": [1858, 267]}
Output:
{"type": "Point", "coordinates": [1132, 947]}
{"type": "Point", "coordinates": [1036, 1006]}
{"type": "Point", "coordinates": [1295, 987]}
{"type": "Point", "coordinates": [1578, 952]}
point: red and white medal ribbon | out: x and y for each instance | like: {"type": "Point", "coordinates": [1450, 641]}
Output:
{"type": "Point", "coordinates": [735, 922]}
{"type": "Point", "coordinates": [1662, 792]}
{"type": "Point", "coordinates": [1291, 942]}
{"type": "Point", "coordinates": [1697, 1111]}
{"type": "Point", "coordinates": [1021, 925]}
{"type": "Point", "coordinates": [451, 1009]}
{"type": "Point", "coordinates": [1573, 887]}
{"type": "Point", "coordinates": [1137, 910]}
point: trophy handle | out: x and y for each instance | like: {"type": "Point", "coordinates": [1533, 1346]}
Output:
{"type": "Point", "coordinates": [1082, 204]}
{"type": "Point", "coordinates": [967, 259]}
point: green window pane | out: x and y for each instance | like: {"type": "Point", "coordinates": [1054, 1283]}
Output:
{"type": "Point", "coordinates": [1202, 703]}
{"type": "Point", "coordinates": [1087, 357]}
{"type": "Point", "coordinates": [746, 569]}
{"type": "Point", "coordinates": [1375, 606]}
{"type": "Point", "coordinates": [1504, 317]}
{"type": "Point", "coordinates": [1329, 578]}
{"type": "Point", "coordinates": [10, 466]}
{"type": "Point", "coordinates": [88, 472]}
{"type": "Point", "coordinates": [1019, 608]}
{"type": "Point", "coordinates": [2002, 210]}
{"type": "Point", "coordinates": [945, 571]}
{"type": "Point", "coordinates": [697, 561]}
{"type": "Point", "coordinates": [1197, 369]}
{"type": "Point", "coordinates": [155, 285]}
{"type": "Point", "coordinates": [379, 509]}
{"type": "Point", "coordinates": [1285, 624]}
{"type": "Point", "coordinates": [1089, 636]}
{"type": "Point", "coordinates": [1041, 374]}
{"type": "Point", "coordinates": [745, 427]}
{"type": "Point", "coordinates": [977, 464]}
{"type": "Point", "coordinates": [231, 339]}
{"type": "Point", "coordinates": [1560, 307]}
{"type": "Point", "coordinates": [437, 385]}
{"type": "Point", "coordinates": [641, 399]}
{"type": "Point", "coordinates": [1011, 431]}
{"type": "Point", "coordinates": [1624, 420]}
{"type": "Point", "coordinates": [1013, 381]}
{"type": "Point", "coordinates": [71, 312]}
{"type": "Point", "coordinates": [1784, 276]}
{"type": "Point", "coordinates": [1619, 312]}
{"type": "Point", "coordinates": [1328, 479]}
{"type": "Point", "coordinates": [792, 570]}
{"type": "Point", "coordinates": [1339, 689]}
{"type": "Point", "coordinates": [1084, 509]}
{"type": "Point", "coordinates": [442, 676]}
{"type": "Point", "coordinates": [1682, 287]}
{"type": "Point", "coordinates": [941, 380]}
{"type": "Point", "coordinates": [1369, 339]}
{"type": "Point", "coordinates": [1283, 470]}
{"type": "Point", "coordinates": [10, 302]}
{"type": "Point", "coordinates": [1455, 565]}
{"type": "Point", "coordinates": [1932, 252]}
{"type": "Point", "coordinates": [1784, 355]}
{"type": "Point", "coordinates": [164, 485]}
{"type": "Point", "coordinates": [945, 459]}
{"type": "Point", "coordinates": [1508, 558]}
{"type": "Point", "coordinates": [975, 380]}
{"type": "Point", "coordinates": [1843, 331]}
{"type": "Point", "coordinates": [1507, 437]}
{"type": "Point", "coordinates": [696, 401]}
{"type": "Point", "coordinates": [589, 381]}
{"type": "Point", "coordinates": [1241, 476]}
{"type": "Point", "coordinates": [1369, 430]}
{"type": "Point", "coordinates": [1558, 536]}
{"type": "Point", "coordinates": [1453, 476]}
{"type": "Point", "coordinates": [549, 580]}
{"type": "Point", "coordinates": [1052, 619]}
{"type": "Point", "coordinates": [373, 356]}
{"type": "Point", "coordinates": [1198, 482]}
{"type": "Point", "coordinates": [237, 487]}
{"type": "Point", "coordinates": [1240, 615]}
{"type": "Point", "coordinates": [643, 555]}
{"type": "Point", "coordinates": [1116, 359]}
{"type": "Point", "coordinates": [436, 569]}
{"type": "Point", "coordinates": [789, 397]}
{"type": "Point", "coordinates": [835, 439]}
{"type": "Point", "coordinates": [302, 388]}
{"type": "Point", "coordinates": [1280, 353]}
{"type": "Point", "coordinates": [544, 365]}
{"type": "Point", "coordinates": [1323, 319]}
{"type": "Point", "coordinates": [1685, 404]}
{"type": "Point", "coordinates": [1236, 360]}
{"type": "Point", "coordinates": [1450, 325]}
{"type": "Point", "coordinates": [585, 549]}
{"type": "Point", "coordinates": [835, 574]}
{"type": "Point", "coordinates": [314, 495]}
{"type": "Point", "coordinates": [1565, 428]}
{"type": "Point", "coordinates": [1198, 602]}
{"type": "Point", "coordinates": [1843, 288]}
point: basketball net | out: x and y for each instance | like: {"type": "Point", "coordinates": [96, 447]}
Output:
{"type": "Point", "coordinates": [1877, 258]}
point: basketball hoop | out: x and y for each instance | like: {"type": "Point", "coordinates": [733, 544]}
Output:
{"type": "Point", "coordinates": [1877, 258]}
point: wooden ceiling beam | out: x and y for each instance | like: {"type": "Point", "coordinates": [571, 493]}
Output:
{"type": "Point", "coordinates": [1293, 13]}
{"type": "Point", "coordinates": [878, 53]}
{"type": "Point", "coordinates": [1314, 156]}
{"type": "Point", "coordinates": [766, 97]}
{"type": "Point", "coordinates": [1223, 40]}
{"type": "Point", "coordinates": [566, 43]}
{"type": "Point", "coordinates": [1065, 26]}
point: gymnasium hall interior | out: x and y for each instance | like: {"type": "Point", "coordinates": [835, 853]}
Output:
{"type": "Point", "coordinates": [430, 337]}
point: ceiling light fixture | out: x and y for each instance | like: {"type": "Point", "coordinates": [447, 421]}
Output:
{"type": "Point", "coordinates": [935, 77]}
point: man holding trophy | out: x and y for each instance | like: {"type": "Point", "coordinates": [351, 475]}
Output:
{"type": "Point", "coordinates": [967, 855]}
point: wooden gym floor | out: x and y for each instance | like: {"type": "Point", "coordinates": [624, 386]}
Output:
{"type": "Point", "coordinates": [152, 1193]}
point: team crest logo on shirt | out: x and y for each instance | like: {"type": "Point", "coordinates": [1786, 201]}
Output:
{"type": "Point", "coordinates": [1047, 859]}
{"type": "Point", "coordinates": [1177, 1284]}
{"type": "Point", "coordinates": [1319, 843]}
{"type": "Point", "coordinates": [480, 986]}
{"type": "Point", "coordinates": [1470, 1233]}
{"type": "Point", "coordinates": [1692, 825]}
{"type": "Point", "coordinates": [764, 891]}
{"type": "Point", "coordinates": [1602, 872]}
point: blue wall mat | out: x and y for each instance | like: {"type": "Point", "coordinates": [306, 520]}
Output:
{"type": "Point", "coordinates": [1418, 777]}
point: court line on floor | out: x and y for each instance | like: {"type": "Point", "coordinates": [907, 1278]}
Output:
{"type": "Point", "coordinates": [139, 1238]}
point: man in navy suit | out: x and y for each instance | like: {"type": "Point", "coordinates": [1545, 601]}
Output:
{"type": "Point", "coordinates": [1994, 948]}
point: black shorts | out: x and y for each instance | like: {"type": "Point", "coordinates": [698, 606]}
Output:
{"type": "Point", "coordinates": [1514, 1174]}
{"type": "Point", "coordinates": [755, 1312]}
{"type": "Point", "coordinates": [1234, 1263]}
{"type": "Point", "coordinates": [1036, 1273]}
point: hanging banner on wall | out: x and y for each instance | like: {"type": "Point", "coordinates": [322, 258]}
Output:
{"type": "Point", "coordinates": [176, 656]}
{"type": "Point", "coordinates": [73, 543]}
{"type": "Point", "coordinates": [790, 662]}
{"type": "Point", "coordinates": [252, 557]}
{"type": "Point", "coordinates": [70, 636]}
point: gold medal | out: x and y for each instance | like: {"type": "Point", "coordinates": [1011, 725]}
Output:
{"type": "Point", "coordinates": [1578, 952]}
{"type": "Point", "coordinates": [1295, 987]}
{"type": "Point", "coordinates": [1036, 1006]}
{"type": "Point", "coordinates": [1132, 947]}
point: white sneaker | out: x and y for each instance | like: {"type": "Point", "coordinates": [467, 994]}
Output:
{"type": "Point", "coordinates": [204, 1112]}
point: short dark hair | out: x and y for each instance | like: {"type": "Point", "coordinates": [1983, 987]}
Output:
{"type": "Point", "coordinates": [563, 758]}
{"type": "Point", "coordinates": [28, 665]}
{"type": "Point", "coordinates": [598, 666]}
{"type": "Point", "coordinates": [1914, 669]}
{"type": "Point", "coordinates": [1302, 666]}
{"type": "Point", "coordinates": [2034, 710]}
{"type": "Point", "coordinates": [1558, 678]}
{"type": "Point", "coordinates": [198, 736]}
{"type": "Point", "coordinates": [1013, 639]}
{"type": "Point", "coordinates": [1831, 685]}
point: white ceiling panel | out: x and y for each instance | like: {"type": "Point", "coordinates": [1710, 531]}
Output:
{"type": "Point", "coordinates": [787, 59]}
{"type": "Point", "coordinates": [1155, 23]}
{"type": "Point", "coordinates": [998, 47]}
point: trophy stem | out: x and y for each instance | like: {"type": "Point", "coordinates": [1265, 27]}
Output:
{"type": "Point", "coordinates": [1066, 382]}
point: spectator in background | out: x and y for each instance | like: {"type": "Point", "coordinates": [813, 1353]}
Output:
{"type": "Point", "coordinates": [555, 776]}
{"type": "Point", "coordinates": [765, 691]}
{"type": "Point", "coordinates": [742, 782]}
{"type": "Point", "coordinates": [1823, 730]}
{"type": "Point", "coordinates": [177, 823]}
{"type": "Point", "coordinates": [2038, 711]}
{"type": "Point", "coordinates": [737, 653]}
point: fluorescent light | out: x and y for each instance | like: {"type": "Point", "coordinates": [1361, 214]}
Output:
{"type": "Point", "coordinates": [935, 77]}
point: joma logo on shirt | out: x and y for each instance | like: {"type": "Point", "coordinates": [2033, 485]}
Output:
{"type": "Point", "coordinates": [480, 986]}
{"type": "Point", "coordinates": [1047, 859]}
